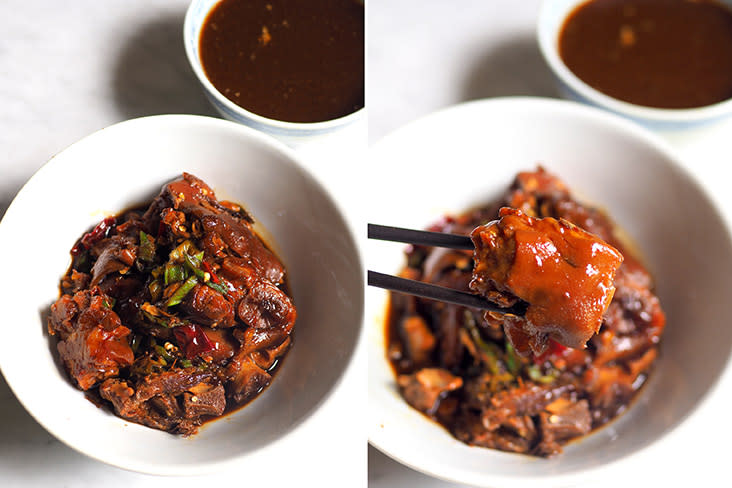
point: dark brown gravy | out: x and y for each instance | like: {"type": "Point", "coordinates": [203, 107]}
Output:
{"type": "Point", "coordinates": [289, 60]}
{"type": "Point", "coordinates": [658, 53]}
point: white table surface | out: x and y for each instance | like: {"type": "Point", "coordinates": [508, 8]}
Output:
{"type": "Point", "coordinates": [425, 55]}
{"type": "Point", "coordinates": [68, 69]}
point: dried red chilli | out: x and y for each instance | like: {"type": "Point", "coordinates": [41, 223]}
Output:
{"type": "Point", "coordinates": [95, 235]}
{"type": "Point", "coordinates": [207, 267]}
{"type": "Point", "coordinates": [202, 271]}
{"type": "Point", "coordinates": [192, 340]}
{"type": "Point", "coordinates": [215, 282]}
{"type": "Point", "coordinates": [554, 349]}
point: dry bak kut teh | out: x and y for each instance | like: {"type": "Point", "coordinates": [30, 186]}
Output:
{"type": "Point", "coordinates": [512, 383]}
{"type": "Point", "coordinates": [288, 60]}
{"type": "Point", "coordinates": [175, 313]}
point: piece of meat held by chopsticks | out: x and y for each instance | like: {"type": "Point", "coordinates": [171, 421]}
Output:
{"type": "Point", "coordinates": [564, 273]}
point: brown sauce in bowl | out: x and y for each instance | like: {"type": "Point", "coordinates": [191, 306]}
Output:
{"type": "Point", "coordinates": [659, 53]}
{"type": "Point", "coordinates": [289, 60]}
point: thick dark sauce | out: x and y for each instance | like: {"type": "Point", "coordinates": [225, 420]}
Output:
{"type": "Point", "coordinates": [289, 60]}
{"type": "Point", "coordinates": [658, 53]}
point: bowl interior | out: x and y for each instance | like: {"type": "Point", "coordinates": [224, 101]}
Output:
{"type": "Point", "coordinates": [289, 132]}
{"type": "Point", "coordinates": [125, 165]}
{"type": "Point", "coordinates": [552, 16]}
{"type": "Point", "coordinates": [468, 155]}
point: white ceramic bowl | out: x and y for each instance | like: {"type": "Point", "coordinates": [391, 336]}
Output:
{"type": "Point", "coordinates": [127, 164]}
{"type": "Point", "coordinates": [552, 16]}
{"type": "Point", "coordinates": [292, 133]}
{"type": "Point", "coordinates": [469, 154]}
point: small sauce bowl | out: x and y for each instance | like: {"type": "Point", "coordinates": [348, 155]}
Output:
{"type": "Point", "coordinates": [552, 17]}
{"type": "Point", "coordinates": [291, 133]}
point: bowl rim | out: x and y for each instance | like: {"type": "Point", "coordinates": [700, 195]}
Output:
{"type": "Point", "coordinates": [548, 35]}
{"type": "Point", "coordinates": [648, 138]}
{"type": "Point", "coordinates": [189, 27]}
{"type": "Point", "coordinates": [315, 415]}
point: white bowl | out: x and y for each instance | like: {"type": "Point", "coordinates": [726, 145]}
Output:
{"type": "Point", "coordinates": [292, 133]}
{"type": "Point", "coordinates": [552, 16]}
{"type": "Point", "coordinates": [127, 164]}
{"type": "Point", "coordinates": [466, 155]}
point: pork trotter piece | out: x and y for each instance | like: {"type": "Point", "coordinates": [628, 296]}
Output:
{"type": "Point", "coordinates": [564, 273]}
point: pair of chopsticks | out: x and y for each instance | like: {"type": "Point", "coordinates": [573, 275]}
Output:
{"type": "Point", "coordinates": [427, 290]}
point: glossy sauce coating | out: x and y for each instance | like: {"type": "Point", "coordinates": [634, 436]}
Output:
{"type": "Point", "coordinates": [658, 53]}
{"type": "Point", "coordinates": [289, 60]}
{"type": "Point", "coordinates": [564, 273]}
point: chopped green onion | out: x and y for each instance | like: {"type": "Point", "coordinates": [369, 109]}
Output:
{"type": "Point", "coordinates": [109, 302]}
{"type": "Point", "coordinates": [160, 317]}
{"type": "Point", "coordinates": [135, 342]}
{"type": "Point", "coordinates": [194, 264]}
{"type": "Point", "coordinates": [218, 287]}
{"type": "Point", "coordinates": [156, 290]}
{"type": "Point", "coordinates": [154, 315]}
{"type": "Point", "coordinates": [177, 253]}
{"type": "Point", "coordinates": [81, 263]}
{"type": "Point", "coordinates": [535, 374]}
{"type": "Point", "coordinates": [174, 273]}
{"type": "Point", "coordinates": [513, 362]}
{"type": "Point", "coordinates": [501, 379]}
{"type": "Point", "coordinates": [182, 291]}
{"type": "Point", "coordinates": [489, 349]}
{"type": "Point", "coordinates": [163, 353]}
{"type": "Point", "coordinates": [186, 363]}
{"type": "Point", "coordinates": [147, 247]}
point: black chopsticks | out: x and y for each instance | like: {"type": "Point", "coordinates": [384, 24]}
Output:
{"type": "Point", "coordinates": [440, 293]}
{"type": "Point", "coordinates": [427, 290]}
{"type": "Point", "coordinates": [421, 237]}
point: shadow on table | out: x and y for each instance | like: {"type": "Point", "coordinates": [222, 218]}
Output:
{"type": "Point", "coordinates": [151, 74]}
{"type": "Point", "coordinates": [514, 67]}
{"type": "Point", "coordinates": [384, 472]}
{"type": "Point", "coordinates": [5, 203]}
{"type": "Point", "coordinates": [30, 454]}
{"type": "Point", "coordinates": [19, 430]}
